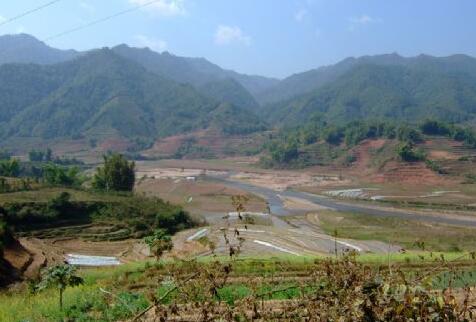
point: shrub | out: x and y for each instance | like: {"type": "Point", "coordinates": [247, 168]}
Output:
{"type": "Point", "coordinates": [409, 135]}
{"type": "Point", "coordinates": [117, 174]}
{"type": "Point", "coordinates": [61, 176]}
{"type": "Point", "coordinates": [10, 168]}
{"type": "Point", "coordinates": [432, 127]}
{"type": "Point", "coordinates": [407, 153]}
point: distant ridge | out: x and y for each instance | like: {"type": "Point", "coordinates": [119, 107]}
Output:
{"type": "Point", "coordinates": [101, 92]}
{"type": "Point", "coordinates": [23, 48]}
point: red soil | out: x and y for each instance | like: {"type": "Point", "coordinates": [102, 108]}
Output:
{"type": "Point", "coordinates": [411, 173]}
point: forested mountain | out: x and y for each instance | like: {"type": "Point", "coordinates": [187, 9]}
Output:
{"type": "Point", "coordinates": [134, 92]}
{"type": "Point", "coordinates": [306, 82]}
{"type": "Point", "coordinates": [196, 71]}
{"type": "Point", "coordinates": [24, 48]}
{"type": "Point", "coordinates": [103, 93]}
{"type": "Point", "coordinates": [229, 90]}
{"type": "Point", "coordinates": [418, 89]}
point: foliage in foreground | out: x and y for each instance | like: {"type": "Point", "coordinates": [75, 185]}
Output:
{"type": "Point", "coordinates": [264, 290]}
{"type": "Point", "coordinates": [60, 277]}
{"type": "Point", "coordinates": [159, 242]}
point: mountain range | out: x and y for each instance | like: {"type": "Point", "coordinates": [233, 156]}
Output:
{"type": "Point", "coordinates": [136, 92]}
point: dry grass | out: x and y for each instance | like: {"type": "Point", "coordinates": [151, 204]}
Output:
{"type": "Point", "coordinates": [198, 196]}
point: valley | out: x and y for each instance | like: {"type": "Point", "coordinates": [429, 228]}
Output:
{"type": "Point", "coordinates": [155, 184]}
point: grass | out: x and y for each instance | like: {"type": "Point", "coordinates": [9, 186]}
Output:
{"type": "Point", "coordinates": [128, 283]}
{"type": "Point", "coordinates": [47, 193]}
{"type": "Point", "coordinates": [406, 233]}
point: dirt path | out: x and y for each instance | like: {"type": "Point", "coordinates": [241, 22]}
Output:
{"type": "Point", "coordinates": [277, 206]}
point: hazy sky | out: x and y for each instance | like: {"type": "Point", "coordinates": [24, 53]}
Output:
{"type": "Point", "coordinates": [268, 37]}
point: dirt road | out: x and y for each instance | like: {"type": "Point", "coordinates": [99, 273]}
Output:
{"type": "Point", "coordinates": [277, 206]}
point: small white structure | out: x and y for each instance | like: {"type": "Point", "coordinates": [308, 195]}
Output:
{"type": "Point", "coordinates": [191, 178]}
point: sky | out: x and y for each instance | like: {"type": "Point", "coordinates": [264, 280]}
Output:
{"type": "Point", "coordinates": [273, 38]}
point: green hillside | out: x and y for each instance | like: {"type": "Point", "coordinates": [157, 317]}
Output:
{"type": "Point", "coordinates": [194, 71]}
{"type": "Point", "coordinates": [101, 92]}
{"type": "Point", "coordinates": [303, 83]}
{"type": "Point", "coordinates": [23, 48]}
{"type": "Point", "coordinates": [229, 90]}
{"type": "Point", "coordinates": [410, 92]}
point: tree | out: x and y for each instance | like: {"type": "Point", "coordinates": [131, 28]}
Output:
{"type": "Point", "coordinates": [408, 134]}
{"type": "Point", "coordinates": [37, 156]}
{"type": "Point", "coordinates": [60, 276]}
{"type": "Point", "coordinates": [406, 152]}
{"type": "Point", "coordinates": [118, 174]}
{"type": "Point", "coordinates": [10, 168]}
{"type": "Point", "coordinates": [5, 155]}
{"type": "Point", "coordinates": [48, 155]}
{"type": "Point", "coordinates": [57, 175]}
{"type": "Point", "coordinates": [159, 242]}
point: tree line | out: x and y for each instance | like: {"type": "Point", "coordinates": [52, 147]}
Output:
{"type": "Point", "coordinates": [285, 147]}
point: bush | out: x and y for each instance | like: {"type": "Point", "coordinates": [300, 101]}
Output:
{"type": "Point", "coordinates": [61, 176]}
{"type": "Point", "coordinates": [407, 153]}
{"type": "Point", "coordinates": [10, 168]}
{"type": "Point", "coordinates": [435, 167]}
{"type": "Point", "coordinates": [409, 135]}
{"type": "Point", "coordinates": [117, 174]}
{"type": "Point", "coordinates": [152, 213]}
{"type": "Point", "coordinates": [333, 136]}
{"type": "Point", "coordinates": [432, 127]}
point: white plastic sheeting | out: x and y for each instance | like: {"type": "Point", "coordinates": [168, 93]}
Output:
{"type": "Point", "coordinates": [86, 260]}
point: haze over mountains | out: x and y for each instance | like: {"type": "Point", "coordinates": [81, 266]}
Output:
{"type": "Point", "coordinates": [132, 92]}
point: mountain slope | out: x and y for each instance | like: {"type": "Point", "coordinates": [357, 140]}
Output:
{"type": "Point", "coordinates": [396, 92]}
{"type": "Point", "coordinates": [102, 93]}
{"type": "Point", "coordinates": [195, 71]}
{"type": "Point", "coordinates": [229, 90]}
{"type": "Point", "coordinates": [306, 82]}
{"type": "Point", "coordinates": [24, 48]}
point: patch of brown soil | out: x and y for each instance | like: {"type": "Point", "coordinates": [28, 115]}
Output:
{"type": "Point", "coordinates": [114, 144]}
{"type": "Point", "coordinates": [214, 141]}
{"type": "Point", "coordinates": [198, 196]}
{"type": "Point", "coordinates": [363, 155]}
{"type": "Point", "coordinates": [18, 256]}
{"type": "Point", "coordinates": [30, 255]}
{"type": "Point", "coordinates": [442, 155]}
{"type": "Point", "coordinates": [416, 173]}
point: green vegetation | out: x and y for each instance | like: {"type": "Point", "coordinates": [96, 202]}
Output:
{"type": "Point", "coordinates": [61, 176]}
{"type": "Point", "coordinates": [60, 277]}
{"type": "Point", "coordinates": [347, 287]}
{"type": "Point", "coordinates": [130, 216]}
{"type": "Point", "coordinates": [48, 157]}
{"type": "Point", "coordinates": [407, 152]}
{"type": "Point", "coordinates": [102, 93]}
{"type": "Point", "coordinates": [190, 148]}
{"type": "Point", "coordinates": [319, 143]}
{"type": "Point", "coordinates": [379, 87]}
{"type": "Point", "coordinates": [458, 133]}
{"type": "Point", "coordinates": [9, 168]}
{"type": "Point", "coordinates": [117, 174]}
{"type": "Point", "coordinates": [39, 156]}
{"type": "Point", "coordinates": [230, 91]}
{"type": "Point", "coordinates": [159, 242]}
{"type": "Point", "coordinates": [406, 233]}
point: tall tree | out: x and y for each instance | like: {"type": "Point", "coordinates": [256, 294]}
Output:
{"type": "Point", "coordinates": [118, 174]}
